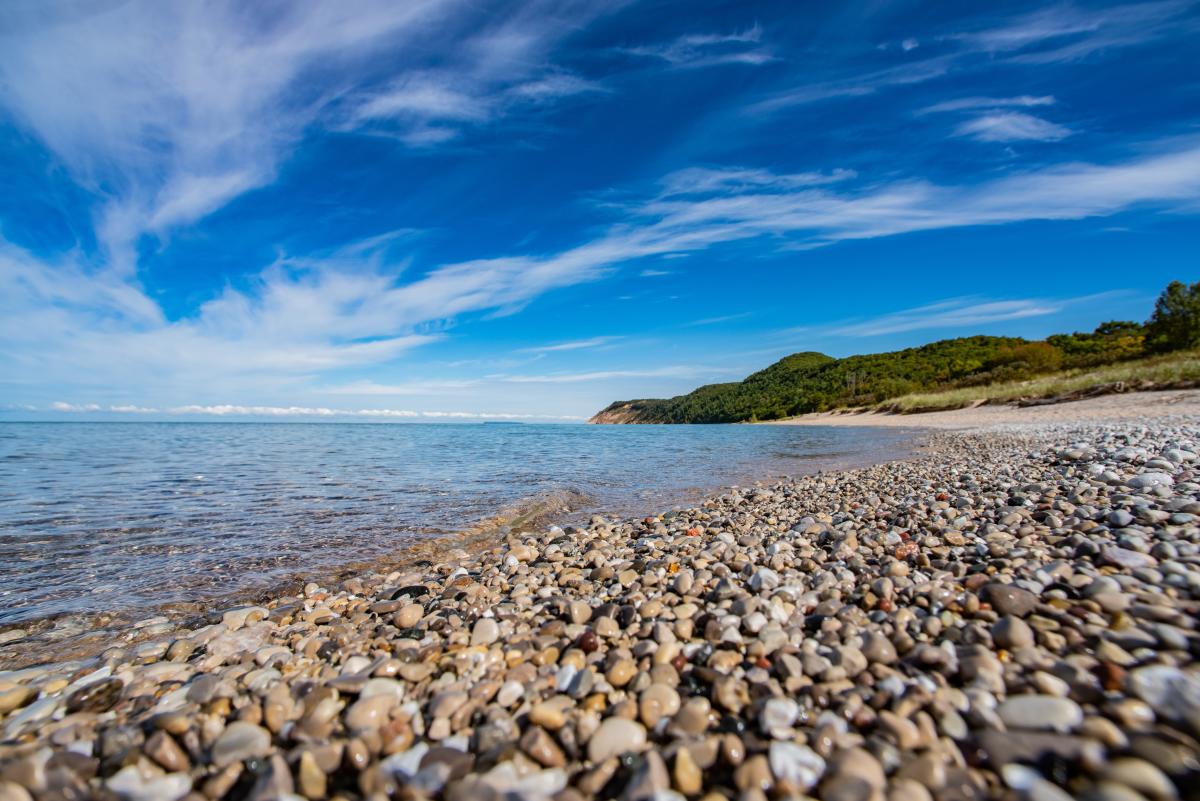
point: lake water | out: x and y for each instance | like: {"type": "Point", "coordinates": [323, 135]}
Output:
{"type": "Point", "coordinates": [126, 517]}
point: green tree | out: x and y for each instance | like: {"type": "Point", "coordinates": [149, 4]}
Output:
{"type": "Point", "coordinates": [1175, 323]}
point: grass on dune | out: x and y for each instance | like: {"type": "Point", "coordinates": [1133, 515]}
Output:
{"type": "Point", "coordinates": [1175, 369]}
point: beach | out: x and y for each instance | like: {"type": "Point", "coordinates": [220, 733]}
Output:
{"type": "Point", "coordinates": [1132, 407]}
{"type": "Point", "coordinates": [1010, 612]}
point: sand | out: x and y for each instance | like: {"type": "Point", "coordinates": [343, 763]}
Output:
{"type": "Point", "coordinates": [1108, 408]}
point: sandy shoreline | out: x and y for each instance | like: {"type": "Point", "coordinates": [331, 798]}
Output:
{"type": "Point", "coordinates": [1132, 406]}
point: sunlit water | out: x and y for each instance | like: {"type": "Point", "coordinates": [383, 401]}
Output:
{"type": "Point", "coordinates": [128, 516]}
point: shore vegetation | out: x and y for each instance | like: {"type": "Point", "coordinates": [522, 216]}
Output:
{"type": "Point", "coordinates": [952, 372]}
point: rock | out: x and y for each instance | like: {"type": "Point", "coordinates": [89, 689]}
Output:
{"type": "Point", "coordinates": [99, 696]}
{"type": "Point", "coordinates": [240, 741]}
{"type": "Point", "coordinates": [1125, 558]}
{"type": "Point", "coordinates": [16, 698]}
{"type": "Point", "coordinates": [798, 765]}
{"type": "Point", "coordinates": [235, 619]}
{"type": "Point", "coordinates": [368, 714]}
{"type": "Point", "coordinates": [129, 783]}
{"type": "Point", "coordinates": [163, 749]}
{"type": "Point", "coordinates": [614, 737]}
{"type": "Point", "coordinates": [1041, 712]}
{"type": "Point", "coordinates": [1173, 694]}
{"type": "Point", "coordinates": [486, 632]}
{"type": "Point", "coordinates": [686, 775]}
{"type": "Point", "coordinates": [1012, 633]}
{"type": "Point", "coordinates": [657, 701]}
{"type": "Point", "coordinates": [1009, 600]}
{"type": "Point", "coordinates": [541, 747]}
{"type": "Point", "coordinates": [1140, 775]}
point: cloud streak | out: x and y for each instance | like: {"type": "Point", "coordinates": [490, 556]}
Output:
{"type": "Point", "coordinates": [233, 410]}
{"type": "Point", "coordinates": [1012, 126]}
{"type": "Point", "coordinates": [697, 50]}
{"type": "Point", "coordinates": [167, 112]}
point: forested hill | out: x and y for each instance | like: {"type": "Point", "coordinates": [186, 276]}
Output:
{"type": "Point", "coordinates": [814, 382]}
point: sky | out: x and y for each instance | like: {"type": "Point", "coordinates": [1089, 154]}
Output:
{"type": "Point", "coordinates": [442, 210]}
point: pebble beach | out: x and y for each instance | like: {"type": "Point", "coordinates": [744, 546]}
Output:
{"type": "Point", "coordinates": [1009, 614]}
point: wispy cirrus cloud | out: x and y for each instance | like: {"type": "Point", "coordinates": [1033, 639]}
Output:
{"type": "Point", "coordinates": [167, 112]}
{"type": "Point", "coordinates": [1012, 126]}
{"type": "Point", "coordinates": [855, 84]}
{"type": "Point", "coordinates": [578, 344]}
{"type": "Point", "coordinates": [670, 371]}
{"type": "Point", "coordinates": [966, 312]}
{"type": "Point", "coordinates": [969, 313]}
{"type": "Point", "coordinates": [975, 103]}
{"type": "Point", "coordinates": [697, 50]}
{"type": "Point", "coordinates": [1060, 33]}
{"type": "Point", "coordinates": [1068, 32]}
{"type": "Point", "coordinates": [304, 316]}
{"type": "Point", "coordinates": [236, 410]}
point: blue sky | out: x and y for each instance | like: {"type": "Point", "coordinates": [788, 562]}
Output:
{"type": "Point", "coordinates": [440, 209]}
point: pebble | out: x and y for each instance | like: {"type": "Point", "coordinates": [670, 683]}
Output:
{"type": "Point", "coordinates": [486, 632]}
{"type": "Point", "coordinates": [798, 765]}
{"type": "Point", "coordinates": [1040, 712]}
{"type": "Point", "coordinates": [240, 741]}
{"type": "Point", "coordinates": [1012, 633]}
{"type": "Point", "coordinates": [615, 736]}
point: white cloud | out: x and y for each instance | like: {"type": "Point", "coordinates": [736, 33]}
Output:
{"type": "Point", "coordinates": [972, 103]}
{"type": "Point", "coordinates": [1063, 32]}
{"type": "Point", "coordinates": [1066, 32]}
{"type": "Point", "coordinates": [234, 410]}
{"type": "Point", "coordinates": [704, 180]}
{"type": "Point", "coordinates": [953, 313]}
{"type": "Point", "coordinates": [675, 371]}
{"type": "Point", "coordinates": [304, 318]}
{"type": "Point", "coordinates": [710, 49]}
{"type": "Point", "coordinates": [168, 111]}
{"type": "Point", "coordinates": [1012, 126]}
{"type": "Point", "coordinates": [857, 85]}
{"type": "Point", "coordinates": [579, 344]}
{"type": "Point", "coordinates": [969, 314]}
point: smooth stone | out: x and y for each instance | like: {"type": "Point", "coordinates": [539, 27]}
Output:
{"type": "Point", "coordinates": [240, 741]}
{"type": "Point", "coordinates": [1012, 633]}
{"type": "Point", "coordinates": [778, 715]}
{"type": "Point", "coordinates": [486, 631]}
{"type": "Point", "coordinates": [1009, 600]}
{"type": "Point", "coordinates": [409, 616]}
{"type": "Point", "coordinates": [621, 672]}
{"type": "Point", "coordinates": [163, 749]}
{"type": "Point", "coordinates": [656, 702]}
{"type": "Point", "coordinates": [368, 714]}
{"type": "Point", "coordinates": [1141, 776]}
{"type": "Point", "coordinates": [542, 748]}
{"type": "Point", "coordinates": [130, 784]}
{"type": "Point", "coordinates": [1040, 712]}
{"type": "Point", "coordinates": [614, 737]}
{"type": "Point", "coordinates": [795, 764]}
{"type": "Point", "coordinates": [686, 775]}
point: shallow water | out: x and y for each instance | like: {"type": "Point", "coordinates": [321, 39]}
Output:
{"type": "Point", "coordinates": [124, 517]}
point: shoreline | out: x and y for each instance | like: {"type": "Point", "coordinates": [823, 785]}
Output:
{"type": "Point", "coordinates": [83, 635]}
{"type": "Point", "coordinates": [952, 620]}
{"type": "Point", "coordinates": [1130, 406]}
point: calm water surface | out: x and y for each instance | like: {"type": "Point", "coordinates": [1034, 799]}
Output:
{"type": "Point", "coordinates": [128, 516]}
